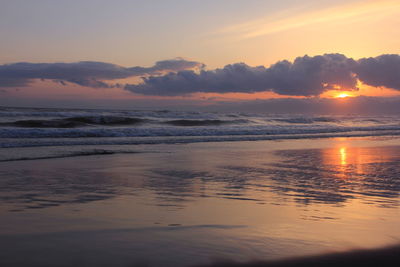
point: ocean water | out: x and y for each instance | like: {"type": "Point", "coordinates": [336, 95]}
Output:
{"type": "Point", "coordinates": [46, 128]}
{"type": "Point", "coordinates": [164, 188]}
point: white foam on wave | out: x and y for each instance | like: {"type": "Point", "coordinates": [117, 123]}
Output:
{"type": "Point", "coordinates": [148, 140]}
{"type": "Point", "coordinates": [11, 132]}
{"type": "Point", "coordinates": [101, 127]}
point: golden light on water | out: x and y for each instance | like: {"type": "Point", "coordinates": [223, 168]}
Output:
{"type": "Point", "coordinates": [354, 160]}
{"type": "Point", "coordinates": [343, 156]}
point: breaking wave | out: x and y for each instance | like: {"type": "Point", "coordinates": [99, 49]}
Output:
{"type": "Point", "coordinates": [203, 122]}
{"type": "Point", "coordinates": [63, 127]}
{"type": "Point", "coordinates": [305, 120]}
{"type": "Point", "coordinates": [182, 131]}
{"type": "Point", "coordinates": [75, 122]}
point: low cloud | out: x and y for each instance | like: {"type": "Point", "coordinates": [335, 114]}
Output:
{"type": "Point", "coordinates": [306, 76]}
{"type": "Point", "coordinates": [380, 71]}
{"type": "Point", "coordinates": [85, 73]}
{"type": "Point", "coordinates": [361, 105]}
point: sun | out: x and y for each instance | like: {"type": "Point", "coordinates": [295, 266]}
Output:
{"type": "Point", "coordinates": [342, 95]}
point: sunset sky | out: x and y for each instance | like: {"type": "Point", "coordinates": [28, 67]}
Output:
{"type": "Point", "coordinates": [179, 53]}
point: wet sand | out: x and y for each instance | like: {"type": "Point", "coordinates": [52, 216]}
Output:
{"type": "Point", "coordinates": [195, 204]}
{"type": "Point", "coordinates": [388, 256]}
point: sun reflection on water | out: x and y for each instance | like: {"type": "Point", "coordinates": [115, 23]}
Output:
{"type": "Point", "coordinates": [343, 156]}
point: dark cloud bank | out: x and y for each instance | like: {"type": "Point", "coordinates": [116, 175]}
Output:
{"type": "Point", "coordinates": [84, 73]}
{"type": "Point", "coordinates": [315, 105]}
{"type": "Point", "coordinates": [305, 76]}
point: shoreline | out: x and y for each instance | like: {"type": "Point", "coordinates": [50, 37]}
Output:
{"type": "Point", "coordinates": [10, 154]}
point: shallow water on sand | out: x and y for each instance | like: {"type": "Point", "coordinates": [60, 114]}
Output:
{"type": "Point", "coordinates": [181, 205]}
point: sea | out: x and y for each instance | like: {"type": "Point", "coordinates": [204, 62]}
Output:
{"type": "Point", "coordinates": [123, 188]}
{"type": "Point", "coordinates": [88, 128]}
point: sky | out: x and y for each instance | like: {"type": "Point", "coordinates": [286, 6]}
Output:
{"type": "Point", "coordinates": [196, 54]}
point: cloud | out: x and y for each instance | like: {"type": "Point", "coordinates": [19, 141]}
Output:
{"type": "Point", "coordinates": [84, 73]}
{"type": "Point", "coordinates": [380, 71]}
{"type": "Point", "coordinates": [306, 76]}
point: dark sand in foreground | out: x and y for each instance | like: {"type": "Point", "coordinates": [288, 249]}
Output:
{"type": "Point", "coordinates": [389, 257]}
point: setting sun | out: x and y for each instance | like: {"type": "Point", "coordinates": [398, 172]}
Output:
{"type": "Point", "coordinates": [342, 95]}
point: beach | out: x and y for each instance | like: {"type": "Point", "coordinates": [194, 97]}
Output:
{"type": "Point", "coordinates": [200, 203]}
{"type": "Point", "coordinates": [200, 133]}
